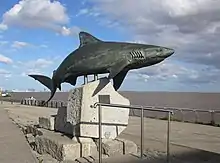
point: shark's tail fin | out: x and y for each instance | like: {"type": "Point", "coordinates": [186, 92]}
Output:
{"type": "Point", "coordinates": [46, 81]}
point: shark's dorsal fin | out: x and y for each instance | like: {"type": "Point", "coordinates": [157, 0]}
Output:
{"type": "Point", "coordinates": [86, 38]}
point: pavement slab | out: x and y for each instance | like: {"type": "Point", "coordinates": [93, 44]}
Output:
{"type": "Point", "coordinates": [13, 145]}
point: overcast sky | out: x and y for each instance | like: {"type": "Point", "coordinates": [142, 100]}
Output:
{"type": "Point", "coordinates": [36, 35]}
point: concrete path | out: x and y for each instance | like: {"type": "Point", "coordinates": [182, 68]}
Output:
{"type": "Point", "coordinates": [13, 146]}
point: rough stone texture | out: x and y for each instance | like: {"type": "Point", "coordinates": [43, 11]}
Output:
{"type": "Point", "coordinates": [129, 147]}
{"type": "Point", "coordinates": [117, 147]}
{"type": "Point", "coordinates": [32, 130]}
{"type": "Point", "coordinates": [58, 146]}
{"type": "Point", "coordinates": [30, 138]}
{"type": "Point", "coordinates": [61, 123]}
{"type": "Point", "coordinates": [80, 119]}
{"type": "Point", "coordinates": [87, 146]}
{"type": "Point", "coordinates": [47, 122]}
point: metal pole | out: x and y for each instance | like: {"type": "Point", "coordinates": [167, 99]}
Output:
{"type": "Point", "coordinates": [96, 77]}
{"type": "Point", "coordinates": [212, 117]}
{"type": "Point", "coordinates": [196, 116]}
{"type": "Point", "coordinates": [85, 79]}
{"type": "Point", "coordinates": [182, 116]}
{"type": "Point", "coordinates": [168, 138]}
{"type": "Point", "coordinates": [142, 131]}
{"type": "Point", "coordinates": [100, 133]}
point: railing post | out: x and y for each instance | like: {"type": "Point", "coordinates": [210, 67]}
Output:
{"type": "Point", "coordinates": [86, 80]}
{"type": "Point", "coordinates": [100, 133]}
{"type": "Point", "coordinates": [142, 131]}
{"type": "Point", "coordinates": [168, 138]}
{"type": "Point", "coordinates": [95, 77]}
{"type": "Point", "coordinates": [212, 117]}
{"type": "Point", "coordinates": [182, 116]}
{"type": "Point", "coordinates": [196, 116]}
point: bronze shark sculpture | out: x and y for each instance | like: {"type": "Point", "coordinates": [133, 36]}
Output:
{"type": "Point", "coordinates": [95, 56]}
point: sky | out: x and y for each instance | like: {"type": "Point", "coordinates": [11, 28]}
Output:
{"type": "Point", "coordinates": [36, 35]}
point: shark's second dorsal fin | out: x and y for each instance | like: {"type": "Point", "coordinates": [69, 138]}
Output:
{"type": "Point", "coordinates": [86, 38]}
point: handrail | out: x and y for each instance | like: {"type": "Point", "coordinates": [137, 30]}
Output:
{"type": "Point", "coordinates": [142, 108]}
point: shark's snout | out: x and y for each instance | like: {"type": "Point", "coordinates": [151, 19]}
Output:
{"type": "Point", "coordinates": [168, 52]}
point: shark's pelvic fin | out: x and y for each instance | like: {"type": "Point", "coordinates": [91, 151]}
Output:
{"type": "Point", "coordinates": [86, 38]}
{"type": "Point", "coordinates": [46, 81]}
{"type": "Point", "coordinates": [71, 80]}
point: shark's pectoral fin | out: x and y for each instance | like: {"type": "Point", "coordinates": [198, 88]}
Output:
{"type": "Point", "coordinates": [117, 68]}
{"type": "Point", "coordinates": [71, 79]}
{"type": "Point", "coordinates": [46, 81]}
{"type": "Point", "coordinates": [118, 79]}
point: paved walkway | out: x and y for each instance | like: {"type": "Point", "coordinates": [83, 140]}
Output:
{"type": "Point", "coordinates": [13, 146]}
{"type": "Point", "coordinates": [194, 142]}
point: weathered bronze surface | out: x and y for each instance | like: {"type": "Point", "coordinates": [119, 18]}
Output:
{"type": "Point", "coordinates": [95, 56]}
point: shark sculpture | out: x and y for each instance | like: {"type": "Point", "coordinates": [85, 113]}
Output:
{"type": "Point", "coordinates": [95, 56]}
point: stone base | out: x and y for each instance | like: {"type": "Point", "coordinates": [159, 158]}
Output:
{"type": "Point", "coordinates": [80, 119]}
{"type": "Point", "coordinates": [64, 148]}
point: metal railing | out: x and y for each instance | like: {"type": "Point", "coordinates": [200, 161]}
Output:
{"type": "Point", "coordinates": [142, 108]}
{"type": "Point", "coordinates": [212, 114]}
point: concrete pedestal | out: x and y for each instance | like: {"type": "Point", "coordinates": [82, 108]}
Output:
{"type": "Point", "coordinates": [80, 119]}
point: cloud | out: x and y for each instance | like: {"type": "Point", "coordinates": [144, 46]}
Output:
{"type": "Point", "coordinates": [31, 71]}
{"type": "Point", "coordinates": [69, 31]}
{"type": "Point", "coordinates": [3, 43]}
{"type": "Point", "coordinates": [83, 12]}
{"type": "Point", "coordinates": [38, 64]}
{"type": "Point", "coordinates": [38, 14]}
{"type": "Point", "coordinates": [192, 28]}
{"type": "Point", "coordinates": [43, 46]}
{"type": "Point", "coordinates": [176, 72]}
{"type": "Point", "coordinates": [22, 44]}
{"type": "Point", "coordinates": [34, 66]}
{"type": "Point", "coordinates": [3, 27]}
{"type": "Point", "coordinates": [19, 44]}
{"type": "Point", "coordinates": [4, 59]}
{"type": "Point", "coordinates": [5, 74]}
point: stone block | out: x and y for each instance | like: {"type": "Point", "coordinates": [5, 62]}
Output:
{"type": "Point", "coordinates": [129, 146]}
{"type": "Point", "coordinates": [87, 146]}
{"type": "Point", "coordinates": [47, 122]}
{"type": "Point", "coordinates": [58, 146]}
{"type": "Point", "coordinates": [81, 120]}
{"type": "Point", "coordinates": [30, 138]}
{"type": "Point", "coordinates": [117, 147]}
{"type": "Point", "coordinates": [61, 123]}
{"type": "Point", "coordinates": [32, 130]}
{"type": "Point", "coordinates": [38, 103]}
